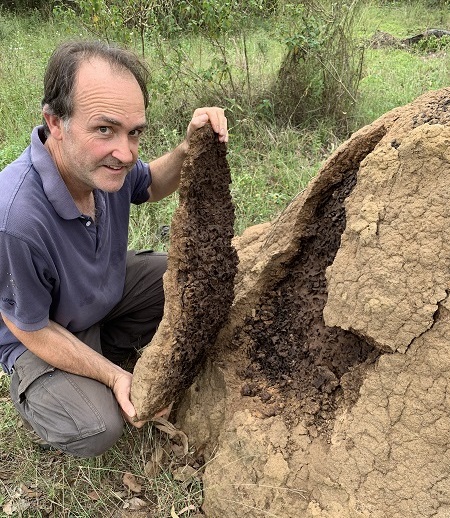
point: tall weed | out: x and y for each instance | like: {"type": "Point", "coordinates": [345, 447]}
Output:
{"type": "Point", "coordinates": [320, 73]}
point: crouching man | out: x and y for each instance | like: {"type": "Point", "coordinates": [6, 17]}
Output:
{"type": "Point", "coordinates": [74, 302]}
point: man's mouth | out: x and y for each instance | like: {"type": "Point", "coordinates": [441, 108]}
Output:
{"type": "Point", "coordinates": [116, 167]}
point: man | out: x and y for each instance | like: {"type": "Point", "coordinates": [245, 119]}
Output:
{"type": "Point", "coordinates": [71, 296]}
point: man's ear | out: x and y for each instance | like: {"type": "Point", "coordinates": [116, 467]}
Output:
{"type": "Point", "coordinates": [54, 123]}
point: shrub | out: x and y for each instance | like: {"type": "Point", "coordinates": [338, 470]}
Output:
{"type": "Point", "coordinates": [433, 44]}
{"type": "Point", "coordinates": [321, 70]}
{"type": "Point", "coordinates": [25, 6]}
{"type": "Point", "coordinates": [317, 79]}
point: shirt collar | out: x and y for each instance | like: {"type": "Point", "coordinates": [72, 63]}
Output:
{"type": "Point", "coordinates": [54, 187]}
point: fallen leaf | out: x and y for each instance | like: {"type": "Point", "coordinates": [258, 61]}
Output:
{"type": "Point", "coordinates": [94, 496]}
{"type": "Point", "coordinates": [15, 506]}
{"type": "Point", "coordinates": [134, 504]}
{"type": "Point", "coordinates": [186, 509]}
{"type": "Point", "coordinates": [152, 469]}
{"type": "Point", "coordinates": [178, 450]}
{"type": "Point", "coordinates": [184, 473]}
{"type": "Point", "coordinates": [165, 426]}
{"type": "Point", "coordinates": [173, 513]}
{"type": "Point", "coordinates": [8, 508]}
{"type": "Point", "coordinates": [132, 484]}
{"type": "Point", "coordinates": [157, 453]}
{"type": "Point", "coordinates": [27, 492]}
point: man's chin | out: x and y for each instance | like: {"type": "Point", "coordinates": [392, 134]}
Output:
{"type": "Point", "coordinates": [112, 186]}
{"type": "Point", "coordinates": [113, 182]}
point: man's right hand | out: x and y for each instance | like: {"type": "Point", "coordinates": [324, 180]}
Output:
{"type": "Point", "coordinates": [58, 347]}
{"type": "Point", "coordinates": [121, 388]}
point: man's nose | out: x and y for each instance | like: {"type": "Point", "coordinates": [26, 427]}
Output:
{"type": "Point", "coordinates": [123, 150]}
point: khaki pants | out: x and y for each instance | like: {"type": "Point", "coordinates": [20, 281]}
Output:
{"type": "Point", "coordinates": [80, 415]}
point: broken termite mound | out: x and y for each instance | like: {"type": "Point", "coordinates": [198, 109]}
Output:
{"type": "Point", "coordinates": [198, 283]}
{"type": "Point", "coordinates": [326, 394]}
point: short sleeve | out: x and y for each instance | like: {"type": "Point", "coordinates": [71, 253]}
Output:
{"type": "Point", "coordinates": [141, 178]}
{"type": "Point", "coordinates": [25, 284]}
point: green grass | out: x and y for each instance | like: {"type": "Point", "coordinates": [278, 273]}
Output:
{"type": "Point", "coordinates": [25, 50]}
{"type": "Point", "coordinates": [408, 75]}
{"type": "Point", "coordinates": [394, 77]}
{"type": "Point", "coordinates": [35, 483]}
{"type": "Point", "coordinates": [270, 161]}
{"type": "Point", "coordinates": [402, 18]}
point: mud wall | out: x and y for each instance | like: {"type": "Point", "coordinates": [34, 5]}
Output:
{"type": "Point", "coordinates": [327, 396]}
{"type": "Point", "coordinates": [392, 268]}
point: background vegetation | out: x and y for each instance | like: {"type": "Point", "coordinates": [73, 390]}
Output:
{"type": "Point", "coordinates": [296, 80]}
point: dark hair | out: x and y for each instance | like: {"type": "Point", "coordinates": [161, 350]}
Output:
{"type": "Point", "coordinates": [62, 68]}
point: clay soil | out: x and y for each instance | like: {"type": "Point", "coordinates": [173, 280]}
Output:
{"type": "Point", "coordinates": [347, 418]}
{"type": "Point", "coordinates": [294, 361]}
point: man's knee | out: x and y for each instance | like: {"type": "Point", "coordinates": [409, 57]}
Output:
{"type": "Point", "coordinates": [97, 444]}
{"type": "Point", "coordinates": [75, 414]}
{"type": "Point", "coordinates": [83, 427]}
{"type": "Point", "coordinates": [146, 265]}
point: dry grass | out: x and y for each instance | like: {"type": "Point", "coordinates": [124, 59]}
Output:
{"type": "Point", "coordinates": [36, 483]}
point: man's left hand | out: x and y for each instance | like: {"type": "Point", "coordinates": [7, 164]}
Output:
{"type": "Point", "coordinates": [216, 116]}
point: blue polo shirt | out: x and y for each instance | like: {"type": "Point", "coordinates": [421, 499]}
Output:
{"type": "Point", "coordinates": [56, 263]}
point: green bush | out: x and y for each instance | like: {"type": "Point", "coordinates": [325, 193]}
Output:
{"type": "Point", "coordinates": [321, 70]}
{"type": "Point", "coordinates": [433, 44]}
{"type": "Point", "coordinates": [317, 78]}
{"type": "Point", "coordinates": [25, 6]}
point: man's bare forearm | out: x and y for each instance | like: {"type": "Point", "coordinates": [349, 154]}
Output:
{"type": "Point", "coordinates": [63, 350]}
{"type": "Point", "coordinates": [166, 173]}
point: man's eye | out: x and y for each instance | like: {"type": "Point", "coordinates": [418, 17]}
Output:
{"type": "Point", "coordinates": [104, 129]}
{"type": "Point", "coordinates": [136, 133]}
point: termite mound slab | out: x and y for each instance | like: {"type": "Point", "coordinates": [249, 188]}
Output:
{"type": "Point", "coordinates": [198, 283]}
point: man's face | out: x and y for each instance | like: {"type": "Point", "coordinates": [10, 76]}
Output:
{"type": "Point", "coordinates": [100, 144]}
